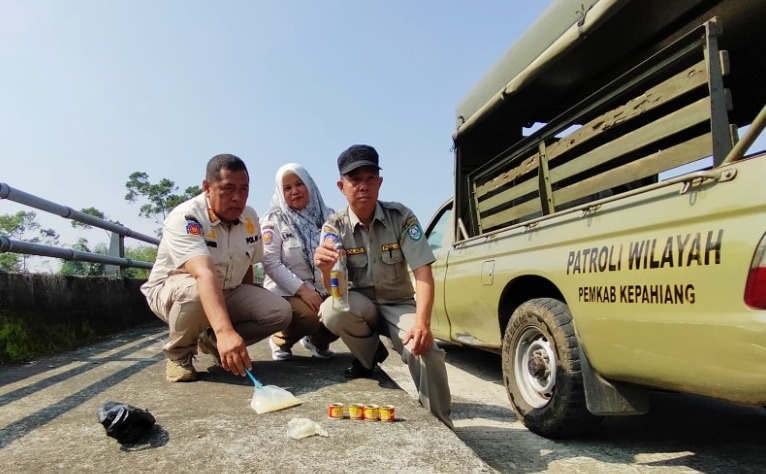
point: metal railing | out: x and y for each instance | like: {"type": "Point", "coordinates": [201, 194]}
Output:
{"type": "Point", "coordinates": [116, 258]}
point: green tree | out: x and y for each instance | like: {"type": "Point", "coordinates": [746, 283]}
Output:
{"type": "Point", "coordinates": [161, 196]}
{"type": "Point", "coordinates": [141, 252]}
{"type": "Point", "coordinates": [20, 226]}
{"type": "Point", "coordinates": [74, 267]}
{"type": "Point", "coordinates": [9, 262]}
{"type": "Point", "coordinates": [95, 213]}
{"type": "Point", "coordinates": [144, 253]}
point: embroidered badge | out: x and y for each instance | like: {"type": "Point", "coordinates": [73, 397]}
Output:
{"type": "Point", "coordinates": [267, 236]}
{"type": "Point", "coordinates": [412, 220]}
{"type": "Point", "coordinates": [356, 251]}
{"type": "Point", "coordinates": [211, 215]}
{"type": "Point", "coordinates": [193, 228]}
{"type": "Point", "coordinates": [249, 226]}
{"type": "Point", "coordinates": [211, 235]}
{"type": "Point", "coordinates": [391, 246]}
{"type": "Point", "coordinates": [332, 238]}
{"type": "Point", "coordinates": [415, 232]}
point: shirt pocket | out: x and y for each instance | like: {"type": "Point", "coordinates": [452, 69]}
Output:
{"type": "Point", "coordinates": [394, 267]}
{"type": "Point", "coordinates": [291, 242]}
{"type": "Point", "coordinates": [291, 249]}
{"type": "Point", "coordinates": [357, 270]}
{"type": "Point", "coordinates": [357, 261]}
{"type": "Point", "coordinates": [293, 258]}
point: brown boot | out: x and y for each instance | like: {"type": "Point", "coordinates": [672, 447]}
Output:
{"type": "Point", "coordinates": [181, 370]}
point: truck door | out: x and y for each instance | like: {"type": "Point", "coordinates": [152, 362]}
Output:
{"type": "Point", "coordinates": [440, 235]}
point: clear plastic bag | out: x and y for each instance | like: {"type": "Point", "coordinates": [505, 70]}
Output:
{"type": "Point", "coordinates": [299, 428]}
{"type": "Point", "coordinates": [272, 398]}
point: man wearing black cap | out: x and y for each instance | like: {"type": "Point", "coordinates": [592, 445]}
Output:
{"type": "Point", "coordinates": [381, 239]}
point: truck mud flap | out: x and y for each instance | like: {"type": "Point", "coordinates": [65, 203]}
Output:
{"type": "Point", "coordinates": [604, 398]}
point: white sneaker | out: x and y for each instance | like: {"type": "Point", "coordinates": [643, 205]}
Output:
{"type": "Point", "coordinates": [315, 351]}
{"type": "Point", "coordinates": [277, 353]}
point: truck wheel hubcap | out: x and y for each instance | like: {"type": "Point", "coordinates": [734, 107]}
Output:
{"type": "Point", "coordinates": [534, 368]}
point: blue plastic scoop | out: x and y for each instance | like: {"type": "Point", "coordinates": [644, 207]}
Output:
{"type": "Point", "coordinates": [255, 380]}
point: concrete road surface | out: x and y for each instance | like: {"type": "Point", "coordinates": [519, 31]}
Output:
{"type": "Point", "coordinates": [48, 421]}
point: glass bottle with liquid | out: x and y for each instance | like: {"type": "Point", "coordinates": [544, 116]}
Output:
{"type": "Point", "coordinates": [339, 282]}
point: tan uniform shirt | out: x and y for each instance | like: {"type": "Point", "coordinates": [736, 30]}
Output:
{"type": "Point", "coordinates": [192, 229]}
{"type": "Point", "coordinates": [378, 257]}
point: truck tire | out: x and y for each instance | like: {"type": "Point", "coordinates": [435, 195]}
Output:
{"type": "Point", "coordinates": [541, 370]}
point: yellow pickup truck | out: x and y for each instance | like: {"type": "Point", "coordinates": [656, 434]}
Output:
{"type": "Point", "coordinates": [607, 232]}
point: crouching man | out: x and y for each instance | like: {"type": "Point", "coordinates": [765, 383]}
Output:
{"type": "Point", "coordinates": [381, 239]}
{"type": "Point", "coordinates": [201, 282]}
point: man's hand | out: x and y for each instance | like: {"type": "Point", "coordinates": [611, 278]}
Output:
{"type": "Point", "coordinates": [421, 337]}
{"type": "Point", "coordinates": [325, 256]}
{"type": "Point", "coordinates": [234, 355]}
{"type": "Point", "coordinates": [309, 296]}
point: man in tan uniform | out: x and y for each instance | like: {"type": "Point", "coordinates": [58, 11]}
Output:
{"type": "Point", "coordinates": [381, 240]}
{"type": "Point", "coordinates": [201, 282]}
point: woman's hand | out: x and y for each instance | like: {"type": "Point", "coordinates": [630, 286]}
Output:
{"type": "Point", "coordinates": [310, 296]}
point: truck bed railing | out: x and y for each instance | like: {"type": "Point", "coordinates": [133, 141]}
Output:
{"type": "Point", "coordinates": [689, 181]}
{"type": "Point", "coordinates": [668, 111]}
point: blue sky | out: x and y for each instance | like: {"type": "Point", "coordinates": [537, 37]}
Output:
{"type": "Point", "coordinates": [92, 91]}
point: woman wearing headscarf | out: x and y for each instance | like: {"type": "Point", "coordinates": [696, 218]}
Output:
{"type": "Point", "coordinates": [291, 229]}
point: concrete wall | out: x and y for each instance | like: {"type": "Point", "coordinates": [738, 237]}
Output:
{"type": "Point", "coordinates": [49, 313]}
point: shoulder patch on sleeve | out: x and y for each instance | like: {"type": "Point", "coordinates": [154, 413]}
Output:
{"type": "Point", "coordinates": [330, 237]}
{"type": "Point", "coordinates": [268, 234]}
{"type": "Point", "coordinates": [329, 233]}
{"type": "Point", "coordinates": [414, 232]}
{"type": "Point", "coordinates": [193, 227]}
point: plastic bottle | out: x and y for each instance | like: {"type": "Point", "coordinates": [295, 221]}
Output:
{"type": "Point", "coordinates": [339, 282]}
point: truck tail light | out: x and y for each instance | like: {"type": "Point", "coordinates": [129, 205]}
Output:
{"type": "Point", "coordinates": [755, 290]}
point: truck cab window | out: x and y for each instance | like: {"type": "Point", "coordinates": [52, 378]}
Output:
{"type": "Point", "coordinates": [438, 227]}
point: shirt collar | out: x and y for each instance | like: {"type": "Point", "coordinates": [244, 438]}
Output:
{"type": "Point", "coordinates": [214, 220]}
{"type": "Point", "coordinates": [378, 216]}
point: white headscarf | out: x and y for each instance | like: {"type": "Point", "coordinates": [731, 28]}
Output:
{"type": "Point", "coordinates": [307, 222]}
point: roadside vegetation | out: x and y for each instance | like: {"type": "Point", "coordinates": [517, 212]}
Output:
{"type": "Point", "coordinates": [155, 201]}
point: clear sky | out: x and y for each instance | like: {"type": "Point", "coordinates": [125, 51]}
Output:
{"type": "Point", "coordinates": [92, 91]}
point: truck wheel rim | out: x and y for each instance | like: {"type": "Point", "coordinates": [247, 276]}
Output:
{"type": "Point", "coordinates": [534, 368]}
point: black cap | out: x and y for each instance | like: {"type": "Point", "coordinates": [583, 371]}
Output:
{"type": "Point", "coordinates": [357, 156]}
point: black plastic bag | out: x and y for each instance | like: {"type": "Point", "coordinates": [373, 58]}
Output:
{"type": "Point", "coordinates": [125, 423]}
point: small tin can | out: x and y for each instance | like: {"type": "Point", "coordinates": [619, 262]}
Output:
{"type": "Point", "coordinates": [335, 411]}
{"type": "Point", "coordinates": [356, 411]}
{"type": "Point", "coordinates": [387, 413]}
{"type": "Point", "coordinates": [371, 412]}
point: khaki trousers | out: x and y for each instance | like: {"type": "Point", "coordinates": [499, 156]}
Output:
{"type": "Point", "coordinates": [305, 322]}
{"type": "Point", "coordinates": [255, 313]}
{"type": "Point", "coordinates": [360, 329]}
